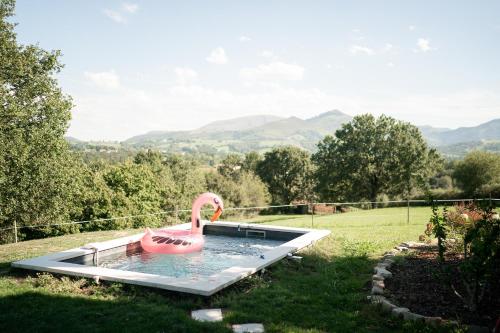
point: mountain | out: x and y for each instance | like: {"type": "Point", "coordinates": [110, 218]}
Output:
{"type": "Point", "coordinates": [247, 133]}
{"type": "Point", "coordinates": [262, 132]}
{"type": "Point", "coordinates": [486, 131]}
{"type": "Point", "coordinates": [238, 124]}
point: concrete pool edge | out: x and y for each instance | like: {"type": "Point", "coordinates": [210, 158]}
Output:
{"type": "Point", "coordinates": [205, 286]}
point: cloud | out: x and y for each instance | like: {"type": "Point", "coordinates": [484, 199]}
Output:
{"type": "Point", "coordinates": [267, 54]}
{"type": "Point", "coordinates": [130, 7]}
{"type": "Point", "coordinates": [244, 39]}
{"type": "Point", "coordinates": [423, 44]}
{"type": "Point", "coordinates": [185, 75]}
{"type": "Point", "coordinates": [106, 80]}
{"type": "Point", "coordinates": [217, 56]}
{"type": "Point", "coordinates": [183, 107]}
{"type": "Point", "coordinates": [412, 28]}
{"type": "Point", "coordinates": [387, 48]}
{"type": "Point", "coordinates": [115, 16]}
{"type": "Point", "coordinates": [357, 49]}
{"type": "Point", "coordinates": [390, 64]}
{"type": "Point", "coordinates": [274, 71]}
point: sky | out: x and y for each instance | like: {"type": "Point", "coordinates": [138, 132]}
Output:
{"type": "Point", "coordinates": [138, 66]}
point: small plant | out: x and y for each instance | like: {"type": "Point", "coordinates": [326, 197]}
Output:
{"type": "Point", "coordinates": [438, 222]}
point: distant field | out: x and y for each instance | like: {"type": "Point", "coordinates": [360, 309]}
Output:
{"type": "Point", "coordinates": [325, 293]}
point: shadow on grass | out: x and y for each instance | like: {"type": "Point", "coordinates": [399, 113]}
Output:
{"type": "Point", "coordinates": [42, 312]}
{"type": "Point", "coordinates": [319, 294]}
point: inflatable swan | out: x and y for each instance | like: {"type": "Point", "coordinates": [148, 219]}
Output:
{"type": "Point", "coordinates": [183, 241]}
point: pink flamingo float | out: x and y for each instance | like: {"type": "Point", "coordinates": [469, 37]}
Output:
{"type": "Point", "coordinates": [183, 241]}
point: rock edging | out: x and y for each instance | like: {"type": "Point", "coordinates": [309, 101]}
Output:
{"type": "Point", "coordinates": [381, 272]}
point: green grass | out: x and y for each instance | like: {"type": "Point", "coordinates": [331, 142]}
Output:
{"type": "Point", "coordinates": [326, 292]}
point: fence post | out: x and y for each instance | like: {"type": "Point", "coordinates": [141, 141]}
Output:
{"type": "Point", "coordinates": [176, 214]}
{"type": "Point", "coordinates": [15, 231]}
{"type": "Point", "coordinates": [408, 213]}
{"type": "Point", "coordinates": [312, 215]}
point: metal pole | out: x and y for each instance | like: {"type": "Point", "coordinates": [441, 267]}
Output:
{"type": "Point", "coordinates": [15, 231]}
{"type": "Point", "coordinates": [408, 214]}
{"type": "Point", "coordinates": [312, 215]}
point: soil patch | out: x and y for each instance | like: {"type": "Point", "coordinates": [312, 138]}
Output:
{"type": "Point", "coordinates": [425, 287]}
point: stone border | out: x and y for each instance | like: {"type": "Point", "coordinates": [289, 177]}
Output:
{"type": "Point", "coordinates": [381, 273]}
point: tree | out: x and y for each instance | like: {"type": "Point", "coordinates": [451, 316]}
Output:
{"type": "Point", "coordinates": [230, 166]}
{"type": "Point", "coordinates": [35, 163]}
{"type": "Point", "coordinates": [477, 170]}
{"type": "Point", "coordinates": [371, 156]}
{"type": "Point", "coordinates": [245, 191]}
{"type": "Point", "coordinates": [251, 161]}
{"type": "Point", "coordinates": [287, 171]}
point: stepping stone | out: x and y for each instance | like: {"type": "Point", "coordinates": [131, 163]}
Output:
{"type": "Point", "coordinates": [207, 315]}
{"type": "Point", "coordinates": [248, 328]}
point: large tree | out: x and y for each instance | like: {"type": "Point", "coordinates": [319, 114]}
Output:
{"type": "Point", "coordinates": [35, 165]}
{"type": "Point", "coordinates": [478, 170]}
{"type": "Point", "coordinates": [287, 171]}
{"type": "Point", "coordinates": [370, 156]}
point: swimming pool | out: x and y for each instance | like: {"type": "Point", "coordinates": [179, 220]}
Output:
{"type": "Point", "coordinates": [232, 251]}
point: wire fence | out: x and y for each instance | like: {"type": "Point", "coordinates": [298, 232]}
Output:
{"type": "Point", "coordinates": [255, 214]}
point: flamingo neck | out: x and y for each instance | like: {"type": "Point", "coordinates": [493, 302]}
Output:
{"type": "Point", "coordinates": [196, 224]}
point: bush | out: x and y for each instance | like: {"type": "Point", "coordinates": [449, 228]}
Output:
{"type": "Point", "coordinates": [476, 233]}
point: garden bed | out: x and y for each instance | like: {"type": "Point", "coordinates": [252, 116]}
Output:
{"type": "Point", "coordinates": [424, 286]}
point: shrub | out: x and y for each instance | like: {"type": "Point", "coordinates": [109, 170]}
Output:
{"type": "Point", "coordinates": [476, 232]}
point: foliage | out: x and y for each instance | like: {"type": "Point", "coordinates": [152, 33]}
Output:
{"type": "Point", "coordinates": [482, 258]}
{"type": "Point", "coordinates": [370, 156]}
{"type": "Point", "coordinates": [230, 166]}
{"type": "Point", "coordinates": [476, 233]}
{"type": "Point", "coordinates": [247, 190]}
{"type": "Point", "coordinates": [251, 162]}
{"type": "Point", "coordinates": [287, 171]}
{"type": "Point", "coordinates": [35, 163]}
{"type": "Point", "coordinates": [438, 223]}
{"type": "Point", "coordinates": [477, 170]}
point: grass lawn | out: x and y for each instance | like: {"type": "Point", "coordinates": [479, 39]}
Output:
{"type": "Point", "coordinates": [326, 292]}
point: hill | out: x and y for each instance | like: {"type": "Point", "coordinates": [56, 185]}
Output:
{"type": "Point", "coordinates": [246, 133]}
{"type": "Point", "coordinates": [262, 132]}
{"type": "Point", "coordinates": [486, 131]}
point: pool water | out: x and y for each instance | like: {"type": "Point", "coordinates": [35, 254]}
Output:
{"type": "Point", "coordinates": [218, 254]}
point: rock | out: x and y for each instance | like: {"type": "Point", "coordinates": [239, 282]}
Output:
{"type": "Point", "coordinates": [96, 278]}
{"type": "Point", "coordinates": [207, 315]}
{"type": "Point", "coordinates": [383, 272]}
{"type": "Point", "coordinates": [413, 316]}
{"type": "Point", "coordinates": [389, 261]}
{"type": "Point", "coordinates": [248, 328]}
{"type": "Point", "coordinates": [383, 265]}
{"type": "Point", "coordinates": [399, 312]}
{"type": "Point", "coordinates": [378, 283]}
{"type": "Point", "coordinates": [405, 244]}
{"type": "Point", "coordinates": [377, 277]}
{"type": "Point", "coordinates": [402, 248]}
{"type": "Point", "coordinates": [377, 290]}
{"type": "Point", "coordinates": [434, 321]}
{"type": "Point", "coordinates": [387, 305]}
{"type": "Point", "coordinates": [376, 299]}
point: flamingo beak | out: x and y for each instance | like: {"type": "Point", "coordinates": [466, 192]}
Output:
{"type": "Point", "coordinates": [216, 214]}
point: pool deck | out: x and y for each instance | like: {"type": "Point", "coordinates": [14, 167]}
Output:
{"type": "Point", "coordinates": [205, 286]}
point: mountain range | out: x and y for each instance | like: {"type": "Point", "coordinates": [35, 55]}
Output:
{"type": "Point", "coordinates": [262, 132]}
